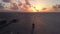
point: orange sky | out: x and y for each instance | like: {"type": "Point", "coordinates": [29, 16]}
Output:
{"type": "Point", "coordinates": [40, 5]}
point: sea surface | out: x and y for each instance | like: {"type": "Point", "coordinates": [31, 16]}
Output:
{"type": "Point", "coordinates": [22, 23]}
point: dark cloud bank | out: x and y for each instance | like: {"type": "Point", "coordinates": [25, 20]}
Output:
{"type": "Point", "coordinates": [6, 0]}
{"type": "Point", "coordinates": [1, 6]}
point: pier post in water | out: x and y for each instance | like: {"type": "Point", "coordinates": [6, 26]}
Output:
{"type": "Point", "coordinates": [33, 27]}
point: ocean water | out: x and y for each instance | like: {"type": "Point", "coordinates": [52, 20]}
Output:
{"type": "Point", "coordinates": [44, 23]}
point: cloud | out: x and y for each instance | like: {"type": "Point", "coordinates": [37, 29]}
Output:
{"type": "Point", "coordinates": [59, 6]}
{"type": "Point", "coordinates": [1, 6]}
{"type": "Point", "coordinates": [14, 7]}
{"type": "Point", "coordinates": [56, 7]}
{"type": "Point", "coordinates": [27, 2]}
{"type": "Point", "coordinates": [6, 0]}
{"type": "Point", "coordinates": [44, 8]}
{"type": "Point", "coordinates": [0, 1]}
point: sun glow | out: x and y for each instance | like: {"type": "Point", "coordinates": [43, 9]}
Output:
{"type": "Point", "coordinates": [33, 9]}
{"type": "Point", "coordinates": [36, 8]}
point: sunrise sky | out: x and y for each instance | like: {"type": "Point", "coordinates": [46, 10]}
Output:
{"type": "Point", "coordinates": [39, 4]}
